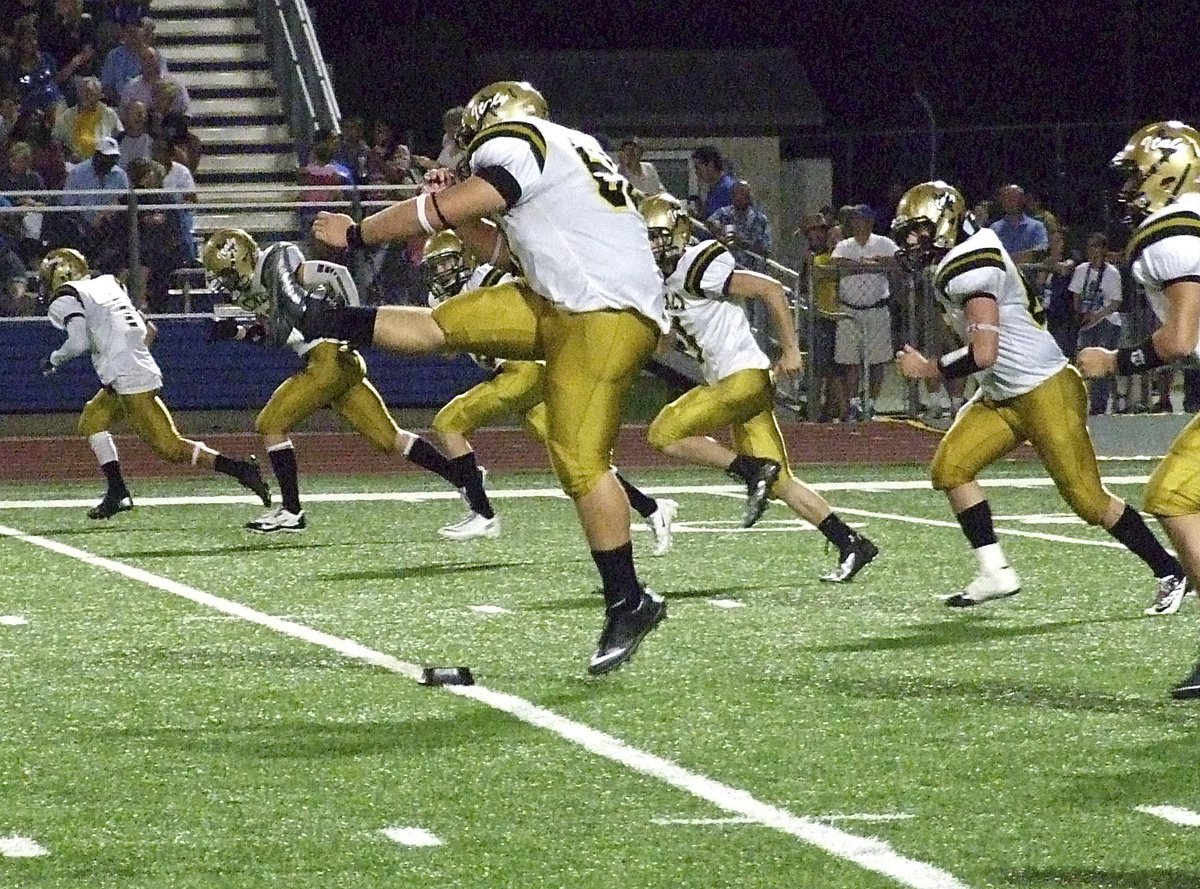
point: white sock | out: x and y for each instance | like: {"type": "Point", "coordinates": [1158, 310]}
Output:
{"type": "Point", "coordinates": [991, 558]}
{"type": "Point", "coordinates": [103, 447]}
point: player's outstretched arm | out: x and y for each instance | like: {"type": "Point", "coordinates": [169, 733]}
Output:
{"type": "Point", "coordinates": [745, 284]}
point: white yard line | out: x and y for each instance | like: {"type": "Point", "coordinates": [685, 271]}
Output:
{"type": "Point", "coordinates": [12, 620]}
{"type": "Point", "coordinates": [21, 847]}
{"type": "Point", "coordinates": [411, 836]}
{"type": "Point", "coordinates": [1174, 814]}
{"type": "Point", "coordinates": [879, 487]}
{"type": "Point", "coordinates": [1015, 532]}
{"type": "Point", "coordinates": [726, 603]}
{"type": "Point", "coordinates": [489, 609]}
{"type": "Point", "coordinates": [868, 853]}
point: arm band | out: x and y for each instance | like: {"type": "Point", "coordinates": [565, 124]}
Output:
{"type": "Point", "coordinates": [438, 210]}
{"type": "Point", "coordinates": [959, 363]}
{"type": "Point", "coordinates": [354, 238]}
{"type": "Point", "coordinates": [422, 216]}
{"type": "Point", "coordinates": [1134, 361]}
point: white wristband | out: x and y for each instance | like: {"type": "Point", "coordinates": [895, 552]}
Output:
{"type": "Point", "coordinates": [422, 216]}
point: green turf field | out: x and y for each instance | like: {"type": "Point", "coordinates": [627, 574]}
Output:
{"type": "Point", "coordinates": [185, 704]}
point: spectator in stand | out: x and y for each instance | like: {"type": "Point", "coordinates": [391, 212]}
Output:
{"type": "Point", "coordinates": [325, 181]}
{"type": "Point", "coordinates": [81, 126]}
{"type": "Point", "coordinates": [182, 185]}
{"type": "Point", "coordinates": [1024, 237]}
{"type": "Point", "coordinates": [984, 213]}
{"type": "Point", "coordinates": [641, 174]}
{"type": "Point", "coordinates": [351, 149]}
{"type": "Point", "coordinates": [743, 228]}
{"type": "Point", "coordinates": [864, 261]}
{"type": "Point", "coordinates": [141, 88]}
{"type": "Point", "coordinates": [820, 280]}
{"type": "Point", "coordinates": [135, 140]}
{"type": "Point", "coordinates": [128, 12]}
{"type": "Point", "coordinates": [378, 153]}
{"type": "Point", "coordinates": [10, 108]}
{"type": "Point", "coordinates": [1095, 291]}
{"type": "Point", "coordinates": [101, 218]}
{"type": "Point", "coordinates": [12, 268]}
{"type": "Point", "coordinates": [1054, 280]}
{"type": "Point", "coordinates": [1035, 206]}
{"type": "Point", "coordinates": [451, 154]}
{"type": "Point", "coordinates": [18, 175]}
{"type": "Point", "coordinates": [69, 34]}
{"type": "Point", "coordinates": [33, 71]}
{"type": "Point", "coordinates": [718, 183]}
{"type": "Point", "coordinates": [49, 159]}
{"type": "Point", "coordinates": [160, 241]}
{"type": "Point", "coordinates": [176, 128]}
{"type": "Point", "coordinates": [123, 62]}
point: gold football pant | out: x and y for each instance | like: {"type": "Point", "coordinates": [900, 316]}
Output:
{"type": "Point", "coordinates": [333, 376]}
{"type": "Point", "coordinates": [592, 360]}
{"type": "Point", "coordinates": [1053, 418]}
{"type": "Point", "coordinates": [518, 389]}
{"type": "Point", "coordinates": [744, 401]}
{"type": "Point", "coordinates": [148, 417]}
{"type": "Point", "coordinates": [1174, 488]}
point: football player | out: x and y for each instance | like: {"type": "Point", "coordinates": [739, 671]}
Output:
{"type": "Point", "coordinates": [1027, 392]}
{"type": "Point", "coordinates": [1159, 198]}
{"type": "Point", "coordinates": [589, 303]}
{"type": "Point", "coordinates": [515, 388]}
{"type": "Point", "coordinates": [739, 391]}
{"type": "Point", "coordinates": [99, 318]}
{"type": "Point", "coordinates": [334, 375]}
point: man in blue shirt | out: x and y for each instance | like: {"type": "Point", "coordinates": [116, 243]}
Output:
{"type": "Point", "coordinates": [99, 174]}
{"type": "Point", "coordinates": [1024, 237]}
{"type": "Point", "coordinates": [743, 228]}
{"type": "Point", "coordinates": [710, 170]}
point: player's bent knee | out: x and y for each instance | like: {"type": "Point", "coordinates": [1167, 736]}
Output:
{"type": "Point", "coordinates": [450, 422]}
{"type": "Point", "coordinates": [662, 432]}
{"type": "Point", "coordinates": [173, 450]}
{"type": "Point", "coordinates": [944, 476]}
{"type": "Point", "coordinates": [577, 476]}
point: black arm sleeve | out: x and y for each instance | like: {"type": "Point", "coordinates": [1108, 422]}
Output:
{"type": "Point", "coordinates": [503, 181]}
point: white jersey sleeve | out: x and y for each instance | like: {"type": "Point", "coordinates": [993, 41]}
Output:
{"type": "Point", "coordinates": [65, 306]}
{"type": "Point", "coordinates": [518, 148]}
{"type": "Point", "coordinates": [709, 271]}
{"type": "Point", "coordinates": [117, 336]}
{"type": "Point", "coordinates": [1166, 250]}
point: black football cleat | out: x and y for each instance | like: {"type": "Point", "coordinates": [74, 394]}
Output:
{"type": "Point", "coordinates": [250, 476]}
{"type": "Point", "coordinates": [1189, 688]}
{"type": "Point", "coordinates": [624, 630]}
{"type": "Point", "coordinates": [860, 553]}
{"type": "Point", "coordinates": [758, 489]}
{"type": "Point", "coordinates": [110, 506]}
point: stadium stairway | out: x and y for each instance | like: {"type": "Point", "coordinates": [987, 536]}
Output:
{"type": "Point", "coordinates": [215, 48]}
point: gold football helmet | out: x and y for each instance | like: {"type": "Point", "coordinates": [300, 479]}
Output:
{"type": "Point", "coordinates": [1160, 162]}
{"type": "Point", "coordinates": [229, 257]}
{"type": "Point", "coordinates": [928, 221]}
{"type": "Point", "coordinates": [669, 226]}
{"type": "Point", "coordinates": [498, 102]}
{"type": "Point", "coordinates": [62, 266]}
{"type": "Point", "coordinates": [446, 266]}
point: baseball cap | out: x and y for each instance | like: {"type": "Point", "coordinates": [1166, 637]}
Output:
{"type": "Point", "coordinates": [863, 210]}
{"type": "Point", "coordinates": [108, 145]}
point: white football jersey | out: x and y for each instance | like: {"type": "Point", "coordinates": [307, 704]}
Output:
{"type": "Point", "coordinates": [715, 331]}
{"type": "Point", "coordinates": [313, 273]}
{"type": "Point", "coordinates": [573, 228]}
{"type": "Point", "coordinates": [116, 333]}
{"type": "Point", "coordinates": [1165, 249]}
{"type": "Point", "coordinates": [1027, 354]}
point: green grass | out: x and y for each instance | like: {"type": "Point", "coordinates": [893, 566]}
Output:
{"type": "Point", "coordinates": [148, 741]}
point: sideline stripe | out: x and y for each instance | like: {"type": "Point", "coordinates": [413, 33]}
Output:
{"type": "Point", "coordinates": [21, 847]}
{"type": "Point", "coordinates": [875, 487]}
{"type": "Point", "coordinates": [1174, 814]}
{"type": "Point", "coordinates": [868, 853]}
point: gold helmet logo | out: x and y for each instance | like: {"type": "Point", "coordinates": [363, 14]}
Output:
{"type": "Point", "coordinates": [446, 266]}
{"type": "Point", "coordinates": [229, 257]}
{"type": "Point", "coordinates": [669, 226]}
{"type": "Point", "coordinates": [928, 221]}
{"type": "Point", "coordinates": [498, 102]}
{"type": "Point", "coordinates": [1160, 162]}
{"type": "Point", "coordinates": [62, 266]}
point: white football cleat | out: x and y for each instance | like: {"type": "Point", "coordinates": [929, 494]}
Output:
{"type": "Point", "coordinates": [998, 584]}
{"type": "Point", "coordinates": [471, 527]}
{"type": "Point", "coordinates": [1169, 595]}
{"type": "Point", "coordinates": [660, 525]}
{"type": "Point", "coordinates": [278, 520]}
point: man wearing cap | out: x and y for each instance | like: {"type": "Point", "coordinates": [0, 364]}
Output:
{"type": "Point", "coordinates": [863, 261]}
{"type": "Point", "coordinates": [100, 173]}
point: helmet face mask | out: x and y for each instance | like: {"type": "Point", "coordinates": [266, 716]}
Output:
{"type": "Point", "coordinates": [229, 257]}
{"type": "Point", "coordinates": [928, 221]}
{"type": "Point", "coordinates": [669, 227]}
{"type": "Point", "coordinates": [61, 267]}
{"type": "Point", "coordinates": [1159, 162]}
{"type": "Point", "coordinates": [445, 266]}
{"type": "Point", "coordinates": [498, 102]}
{"type": "Point", "coordinates": [915, 241]}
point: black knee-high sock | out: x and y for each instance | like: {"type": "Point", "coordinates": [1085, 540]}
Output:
{"type": "Point", "coordinates": [619, 576]}
{"type": "Point", "coordinates": [1131, 529]}
{"type": "Point", "coordinates": [116, 481]}
{"type": "Point", "coordinates": [645, 506]}
{"type": "Point", "coordinates": [428, 457]}
{"type": "Point", "coordinates": [283, 464]}
{"type": "Point", "coordinates": [976, 522]}
{"type": "Point", "coordinates": [354, 324]}
{"type": "Point", "coordinates": [836, 531]}
{"type": "Point", "coordinates": [468, 477]}
{"type": "Point", "coordinates": [229, 466]}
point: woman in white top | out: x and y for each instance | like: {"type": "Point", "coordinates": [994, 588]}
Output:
{"type": "Point", "coordinates": [1095, 291]}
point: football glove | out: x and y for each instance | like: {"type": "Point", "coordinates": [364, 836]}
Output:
{"type": "Point", "coordinates": [48, 367]}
